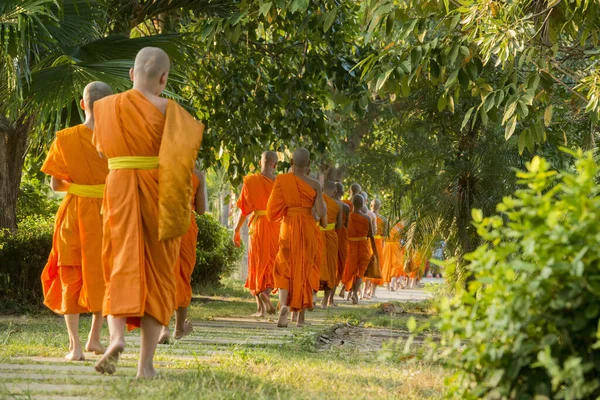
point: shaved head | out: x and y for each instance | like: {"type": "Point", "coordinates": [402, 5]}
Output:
{"type": "Point", "coordinates": [364, 195]}
{"type": "Point", "coordinates": [330, 186]}
{"type": "Point", "coordinates": [358, 201]}
{"type": "Point", "coordinates": [151, 63]}
{"type": "Point", "coordinates": [270, 157]}
{"type": "Point", "coordinates": [301, 158]}
{"type": "Point", "coordinates": [95, 91]}
{"type": "Point", "coordinates": [376, 204]}
{"type": "Point", "coordinates": [355, 188]}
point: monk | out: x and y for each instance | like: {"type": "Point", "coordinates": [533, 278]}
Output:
{"type": "Point", "coordinates": [342, 233]}
{"type": "Point", "coordinates": [366, 292]}
{"type": "Point", "coordinates": [329, 237]}
{"type": "Point", "coordinates": [392, 264]}
{"type": "Point", "coordinates": [184, 267]}
{"type": "Point", "coordinates": [355, 189]}
{"type": "Point", "coordinates": [296, 271]}
{"type": "Point", "coordinates": [380, 229]}
{"type": "Point", "coordinates": [151, 144]}
{"type": "Point", "coordinates": [360, 233]}
{"type": "Point", "coordinates": [72, 279]}
{"type": "Point", "coordinates": [264, 234]}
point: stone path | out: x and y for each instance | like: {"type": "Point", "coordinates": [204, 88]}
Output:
{"type": "Point", "coordinates": [55, 378]}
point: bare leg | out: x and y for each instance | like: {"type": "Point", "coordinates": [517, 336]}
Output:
{"type": "Point", "coordinates": [326, 296]}
{"type": "Point", "coordinates": [331, 303]}
{"type": "Point", "coordinates": [342, 291]}
{"type": "Point", "coordinates": [165, 335]}
{"type": "Point", "coordinates": [93, 344]}
{"type": "Point", "coordinates": [75, 351]}
{"type": "Point", "coordinates": [355, 290]}
{"type": "Point", "coordinates": [392, 285]}
{"type": "Point", "coordinates": [183, 326]}
{"type": "Point", "coordinates": [148, 339]}
{"type": "Point", "coordinates": [282, 322]}
{"type": "Point", "coordinates": [373, 289]}
{"type": "Point", "coordinates": [366, 289]}
{"type": "Point", "coordinates": [108, 363]}
{"type": "Point", "coordinates": [260, 311]}
{"type": "Point", "coordinates": [294, 316]}
{"type": "Point", "coordinates": [266, 301]}
{"type": "Point", "coordinates": [315, 299]}
{"type": "Point", "coordinates": [301, 322]}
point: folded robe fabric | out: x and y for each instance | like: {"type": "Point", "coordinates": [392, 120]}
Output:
{"type": "Point", "coordinates": [329, 239]}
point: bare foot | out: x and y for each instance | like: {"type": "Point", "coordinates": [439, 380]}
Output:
{"type": "Point", "coordinates": [267, 302]}
{"type": "Point", "coordinates": [332, 304]}
{"type": "Point", "coordinates": [354, 298]}
{"type": "Point", "coordinates": [75, 356]}
{"type": "Point", "coordinates": [165, 335]}
{"type": "Point", "coordinates": [282, 322]}
{"type": "Point", "coordinates": [94, 346]}
{"type": "Point", "coordinates": [188, 327]}
{"type": "Point", "coordinates": [342, 293]}
{"type": "Point", "coordinates": [146, 374]}
{"type": "Point", "coordinates": [258, 314]}
{"type": "Point", "coordinates": [294, 316]}
{"type": "Point", "coordinates": [108, 363]}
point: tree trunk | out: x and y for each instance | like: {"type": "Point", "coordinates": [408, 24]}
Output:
{"type": "Point", "coordinates": [13, 146]}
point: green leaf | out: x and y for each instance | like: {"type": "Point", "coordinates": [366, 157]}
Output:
{"type": "Point", "coordinates": [477, 215]}
{"type": "Point", "coordinates": [510, 127]}
{"type": "Point", "coordinates": [265, 8]}
{"type": "Point", "coordinates": [451, 104]}
{"type": "Point", "coordinates": [467, 117]}
{"type": "Point", "coordinates": [328, 19]}
{"type": "Point", "coordinates": [442, 102]}
{"type": "Point", "coordinates": [548, 115]}
{"type": "Point", "coordinates": [452, 78]}
{"type": "Point", "coordinates": [411, 324]}
{"type": "Point", "coordinates": [522, 142]}
{"type": "Point", "coordinates": [453, 54]}
{"type": "Point", "coordinates": [509, 112]}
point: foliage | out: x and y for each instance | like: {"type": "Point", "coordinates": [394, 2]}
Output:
{"type": "Point", "coordinates": [527, 325]}
{"type": "Point", "coordinates": [22, 258]}
{"type": "Point", "coordinates": [35, 197]}
{"type": "Point", "coordinates": [217, 257]}
{"type": "Point", "coordinates": [543, 51]}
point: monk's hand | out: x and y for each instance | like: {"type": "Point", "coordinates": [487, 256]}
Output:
{"type": "Point", "coordinates": [236, 239]}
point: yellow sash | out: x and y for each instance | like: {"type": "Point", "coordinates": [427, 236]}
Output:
{"type": "Point", "coordinates": [330, 227]}
{"type": "Point", "coordinates": [378, 237]}
{"type": "Point", "coordinates": [133, 162]}
{"type": "Point", "coordinates": [357, 239]}
{"type": "Point", "coordinates": [259, 212]}
{"type": "Point", "coordinates": [256, 214]}
{"type": "Point", "coordinates": [91, 191]}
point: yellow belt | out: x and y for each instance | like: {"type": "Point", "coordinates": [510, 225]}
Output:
{"type": "Point", "coordinates": [378, 237]}
{"type": "Point", "coordinates": [357, 239]}
{"type": "Point", "coordinates": [259, 212]}
{"type": "Point", "coordinates": [133, 162]}
{"type": "Point", "coordinates": [91, 191]}
{"type": "Point", "coordinates": [330, 227]}
{"type": "Point", "coordinates": [256, 213]}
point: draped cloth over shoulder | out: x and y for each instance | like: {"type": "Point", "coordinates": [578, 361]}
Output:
{"type": "Point", "coordinates": [141, 228]}
{"type": "Point", "coordinates": [299, 256]}
{"type": "Point", "coordinates": [342, 234]}
{"type": "Point", "coordinates": [264, 234]}
{"type": "Point", "coordinates": [72, 279]}
{"type": "Point", "coordinates": [329, 237]}
{"type": "Point", "coordinates": [359, 250]}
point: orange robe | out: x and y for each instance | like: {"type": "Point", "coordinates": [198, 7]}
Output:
{"type": "Point", "coordinates": [72, 279]}
{"type": "Point", "coordinates": [359, 250]}
{"type": "Point", "coordinates": [264, 234]}
{"type": "Point", "coordinates": [342, 248]}
{"type": "Point", "coordinates": [392, 264]}
{"type": "Point", "coordinates": [417, 265]}
{"type": "Point", "coordinates": [379, 244]}
{"type": "Point", "coordinates": [297, 264]}
{"type": "Point", "coordinates": [349, 204]}
{"type": "Point", "coordinates": [184, 267]}
{"type": "Point", "coordinates": [141, 216]}
{"type": "Point", "coordinates": [329, 239]}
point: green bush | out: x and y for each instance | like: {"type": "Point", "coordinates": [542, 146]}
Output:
{"type": "Point", "coordinates": [23, 256]}
{"type": "Point", "coordinates": [217, 257]}
{"type": "Point", "coordinates": [35, 199]}
{"type": "Point", "coordinates": [528, 324]}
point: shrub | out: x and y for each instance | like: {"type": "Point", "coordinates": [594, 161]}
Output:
{"type": "Point", "coordinates": [23, 256]}
{"type": "Point", "coordinates": [35, 199]}
{"type": "Point", "coordinates": [527, 326]}
{"type": "Point", "coordinates": [217, 257]}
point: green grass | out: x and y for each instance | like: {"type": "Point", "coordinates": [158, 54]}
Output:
{"type": "Point", "coordinates": [233, 362]}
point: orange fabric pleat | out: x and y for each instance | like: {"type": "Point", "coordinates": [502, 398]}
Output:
{"type": "Point", "coordinates": [342, 234]}
{"type": "Point", "coordinates": [297, 264]}
{"type": "Point", "coordinates": [138, 267]}
{"type": "Point", "coordinates": [392, 264]}
{"type": "Point", "coordinates": [77, 239]}
{"type": "Point", "coordinates": [329, 251]}
{"type": "Point", "coordinates": [379, 245]}
{"type": "Point", "coordinates": [264, 234]}
{"type": "Point", "coordinates": [359, 252]}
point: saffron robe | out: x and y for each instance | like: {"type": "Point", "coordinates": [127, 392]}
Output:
{"type": "Point", "coordinates": [379, 235]}
{"type": "Point", "coordinates": [184, 267]}
{"type": "Point", "coordinates": [392, 264]}
{"type": "Point", "coordinates": [264, 234]}
{"type": "Point", "coordinates": [139, 250]}
{"type": "Point", "coordinates": [329, 239]}
{"type": "Point", "coordinates": [298, 259]}
{"type": "Point", "coordinates": [342, 248]}
{"type": "Point", "coordinates": [72, 279]}
{"type": "Point", "coordinates": [359, 251]}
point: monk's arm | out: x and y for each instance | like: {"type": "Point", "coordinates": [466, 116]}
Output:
{"type": "Point", "coordinates": [320, 203]}
{"type": "Point", "coordinates": [200, 198]}
{"type": "Point", "coordinates": [58, 185]}
{"type": "Point", "coordinates": [340, 219]}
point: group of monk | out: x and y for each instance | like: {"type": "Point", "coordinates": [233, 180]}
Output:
{"type": "Point", "coordinates": [124, 243]}
{"type": "Point", "coordinates": [303, 238]}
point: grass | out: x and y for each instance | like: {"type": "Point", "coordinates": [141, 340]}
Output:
{"type": "Point", "coordinates": [232, 361]}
